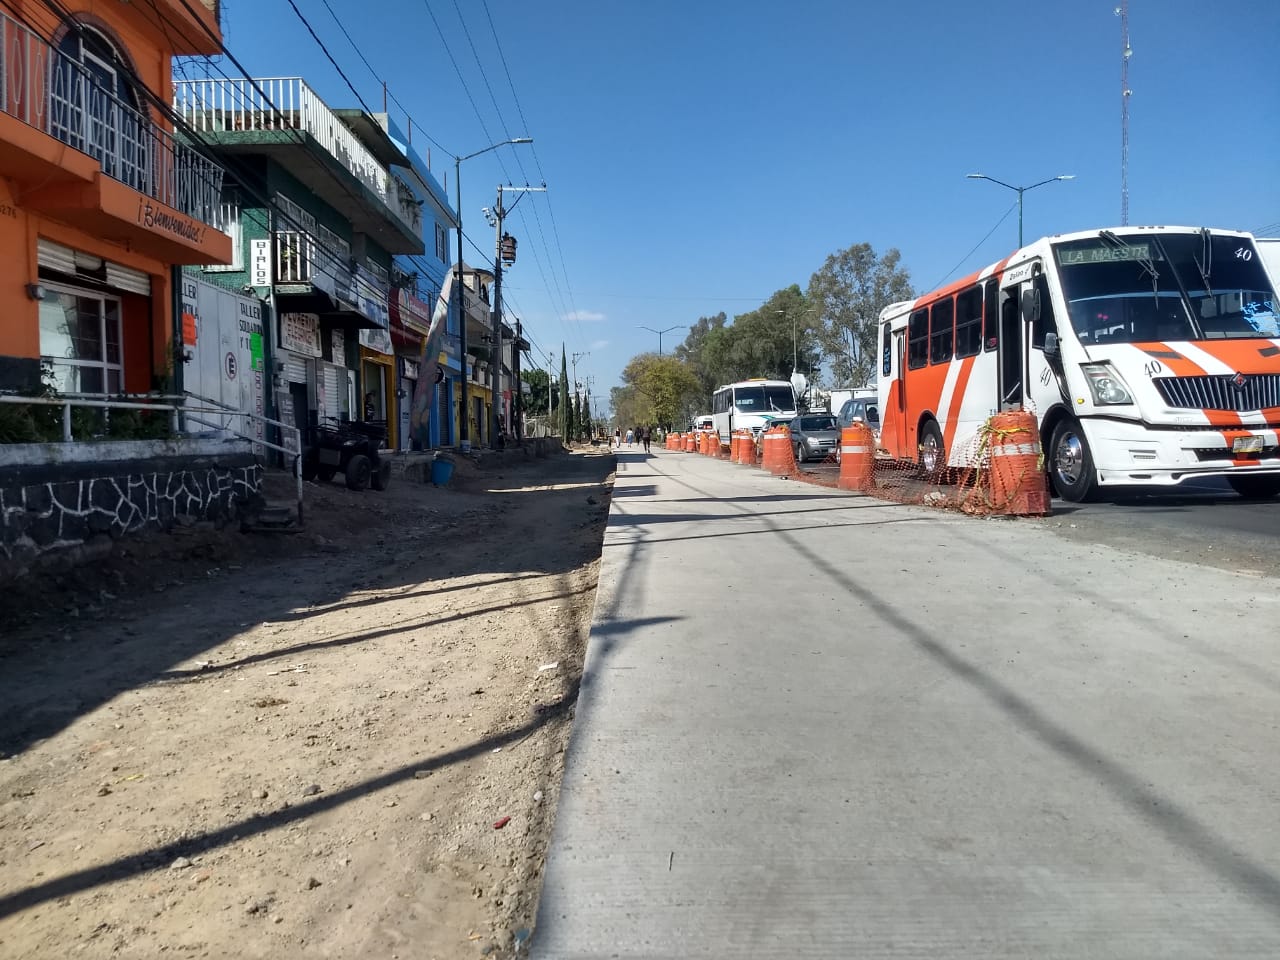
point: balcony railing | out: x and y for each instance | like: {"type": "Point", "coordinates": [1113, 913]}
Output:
{"type": "Point", "coordinates": [289, 104]}
{"type": "Point", "coordinates": [43, 87]}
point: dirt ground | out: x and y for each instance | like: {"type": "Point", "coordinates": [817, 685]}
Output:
{"type": "Point", "coordinates": [347, 742]}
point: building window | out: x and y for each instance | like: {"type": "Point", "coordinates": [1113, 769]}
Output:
{"type": "Point", "coordinates": [93, 107]}
{"type": "Point", "coordinates": [229, 223]}
{"type": "Point", "coordinates": [80, 336]}
{"type": "Point", "coordinates": [442, 244]}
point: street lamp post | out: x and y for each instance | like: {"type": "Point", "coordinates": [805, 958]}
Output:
{"type": "Point", "coordinates": [659, 333]}
{"type": "Point", "coordinates": [457, 283]}
{"type": "Point", "coordinates": [1020, 191]}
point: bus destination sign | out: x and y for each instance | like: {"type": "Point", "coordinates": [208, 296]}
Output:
{"type": "Point", "coordinates": [1105, 253]}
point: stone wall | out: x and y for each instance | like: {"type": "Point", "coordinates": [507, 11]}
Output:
{"type": "Point", "coordinates": [70, 512]}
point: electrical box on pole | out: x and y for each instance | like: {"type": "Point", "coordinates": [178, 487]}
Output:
{"type": "Point", "coordinates": [507, 248]}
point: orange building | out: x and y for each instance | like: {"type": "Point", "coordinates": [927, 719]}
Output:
{"type": "Point", "coordinates": [99, 199]}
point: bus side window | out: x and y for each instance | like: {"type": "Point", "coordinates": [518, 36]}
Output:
{"type": "Point", "coordinates": [1044, 321]}
{"type": "Point", "coordinates": [886, 361]}
{"type": "Point", "coordinates": [991, 316]}
{"type": "Point", "coordinates": [942, 332]}
{"type": "Point", "coordinates": [918, 339]}
{"type": "Point", "coordinates": [969, 322]}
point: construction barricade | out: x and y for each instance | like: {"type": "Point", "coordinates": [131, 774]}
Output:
{"type": "Point", "coordinates": [857, 458]}
{"type": "Point", "coordinates": [997, 470]}
{"type": "Point", "coordinates": [778, 457]}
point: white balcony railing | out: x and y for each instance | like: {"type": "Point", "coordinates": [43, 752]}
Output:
{"type": "Point", "coordinates": [52, 92]}
{"type": "Point", "coordinates": [289, 104]}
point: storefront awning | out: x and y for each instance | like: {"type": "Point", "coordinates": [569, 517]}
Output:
{"type": "Point", "coordinates": [332, 312]}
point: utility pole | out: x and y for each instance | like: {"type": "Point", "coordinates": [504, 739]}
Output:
{"type": "Point", "coordinates": [504, 252]}
{"type": "Point", "coordinates": [518, 387]}
{"type": "Point", "coordinates": [1126, 52]}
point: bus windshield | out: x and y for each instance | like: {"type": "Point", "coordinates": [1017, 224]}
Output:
{"type": "Point", "coordinates": [764, 399]}
{"type": "Point", "coordinates": [1157, 287]}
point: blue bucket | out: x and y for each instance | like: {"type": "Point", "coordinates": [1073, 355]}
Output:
{"type": "Point", "coordinates": [441, 471]}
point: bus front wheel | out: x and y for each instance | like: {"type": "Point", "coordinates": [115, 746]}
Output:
{"type": "Point", "coordinates": [1071, 463]}
{"type": "Point", "coordinates": [933, 458]}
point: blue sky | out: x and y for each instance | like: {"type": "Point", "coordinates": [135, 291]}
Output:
{"type": "Point", "coordinates": [701, 155]}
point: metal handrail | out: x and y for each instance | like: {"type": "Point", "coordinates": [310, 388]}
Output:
{"type": "Point", "coordinates": [43, 87]}
{"type": "Point", "coordinates": [295, 453]}
{"type": "Point", "coordinates": [287, 103]}
{"type": "Point", "coordinates": [176, 405]}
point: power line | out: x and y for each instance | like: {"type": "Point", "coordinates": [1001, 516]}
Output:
{"type": "Point", "coordinates": [329, 57]}
{"type": "Point", "coordinates": [976, 246]}
{"type": "Point", "coordinates": [374, 74]}
{"type": "Point", "coordinates": [515, 96]}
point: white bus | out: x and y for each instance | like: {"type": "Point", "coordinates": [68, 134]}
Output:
{"type": "Point", "coordinates": [751, 405]}
{"type": "Point", "coordinates": [1150, 355]}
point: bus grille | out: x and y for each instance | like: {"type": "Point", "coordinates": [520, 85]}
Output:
{"type": "Point", "coordinates": [1255, 391]}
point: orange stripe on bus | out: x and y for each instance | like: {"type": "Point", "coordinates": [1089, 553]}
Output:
{"type": "Point", "coordinates": [1242, 356]}
{"type": "Point", "coordinates": [1178, 365]}
{"type": "Point", "coordinates": [957, 403]}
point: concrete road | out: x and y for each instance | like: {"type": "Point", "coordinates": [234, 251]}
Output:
{"type": "Point", "coordinates": [1204, 521]}
{"type": "Point", "coordinates": [816, 725]}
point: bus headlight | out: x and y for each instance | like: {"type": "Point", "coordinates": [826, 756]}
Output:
{"type": "Point", "coordinates": [1106, 385]}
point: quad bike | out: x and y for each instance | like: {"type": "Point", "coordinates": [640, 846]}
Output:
{"type": "Point", "coordinates": [352, 448]}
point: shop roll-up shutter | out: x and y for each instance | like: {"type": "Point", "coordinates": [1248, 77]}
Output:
{"type": "Point", "coordinates": [335, 384]}
{"type": "Point", "coordinates": [126, 278]}
{"type": "Point", "coordinates": [54, 256]}
{"type": "Point", "coordinates": [62, 259]}
{"type": "Point", "coordinates": [295, 368]}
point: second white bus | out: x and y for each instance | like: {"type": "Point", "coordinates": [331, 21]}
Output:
{"type": "Point", "coordinates": [751, 405]}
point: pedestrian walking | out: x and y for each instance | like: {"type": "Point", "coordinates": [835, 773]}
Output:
{"type": "Point", "coordinates": [630, 436]}
{"type": "Point", "coordinates": [645, 435]}
{"type": "Point", "coordinates": [617, 437]}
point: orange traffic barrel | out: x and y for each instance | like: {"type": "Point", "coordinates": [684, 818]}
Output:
{"type": "Point", "coordinates": [779, 458]}
{"type": "Point", "coordinates": [689, 442]}
{"type": "Point", "coordinates": [857, 457]}
{"type": "Point", "coordinates": [735, 444]}
{"type": "Point", "coordinates": [750, 455]}
{"type": "Point", "coordinates": [1017, 468]}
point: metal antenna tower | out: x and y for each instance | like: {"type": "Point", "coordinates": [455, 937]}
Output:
{"type": "Point", "coordinates": [1126, 52]}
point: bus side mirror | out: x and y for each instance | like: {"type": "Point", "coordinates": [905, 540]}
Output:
{"type": "Point", "coordinates": [1050, 344]}
{"type": "Point", "coordinates": [1031, 305]}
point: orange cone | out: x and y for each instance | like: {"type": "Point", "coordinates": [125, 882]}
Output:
{"type": "Point", "coordinates": [1018, 484]}
{"type": "Point", "coordinates": [857, 457]}
{"type": "Point", "coordinates": [782, 461]}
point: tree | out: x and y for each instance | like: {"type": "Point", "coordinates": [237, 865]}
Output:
{"type": "Point", "coordinates": [691, 352]}
{"type": "Point", "coordinates": [656, 390]}
{"type": "Point", "coordinates": [588, 428]}
{"type": "Point", "coordinates": [770, 341]}
{"type": "Point", "coordinates": [577, 415]}
{"type": "Point", "coordinates": [629, 405]}
{"type": "Point", "coordinates": [540, 392]}
{"type": "Point", "coordinates": [849, 292]}
{"type": "Point", "coordinates": [566, 413]}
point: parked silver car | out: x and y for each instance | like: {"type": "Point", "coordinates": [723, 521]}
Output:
{"type": "Point", "coordinates": [866, 409]}
{"type": "Point", "coordinates": [814, 436]}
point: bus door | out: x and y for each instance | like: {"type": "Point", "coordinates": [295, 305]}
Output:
{"type": "Point", "coordinates": [1026, 319]}
{"type": "Point", "coordinates": [1011, 382]}
{"type": "Point", "coordinates": [899, 438]}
